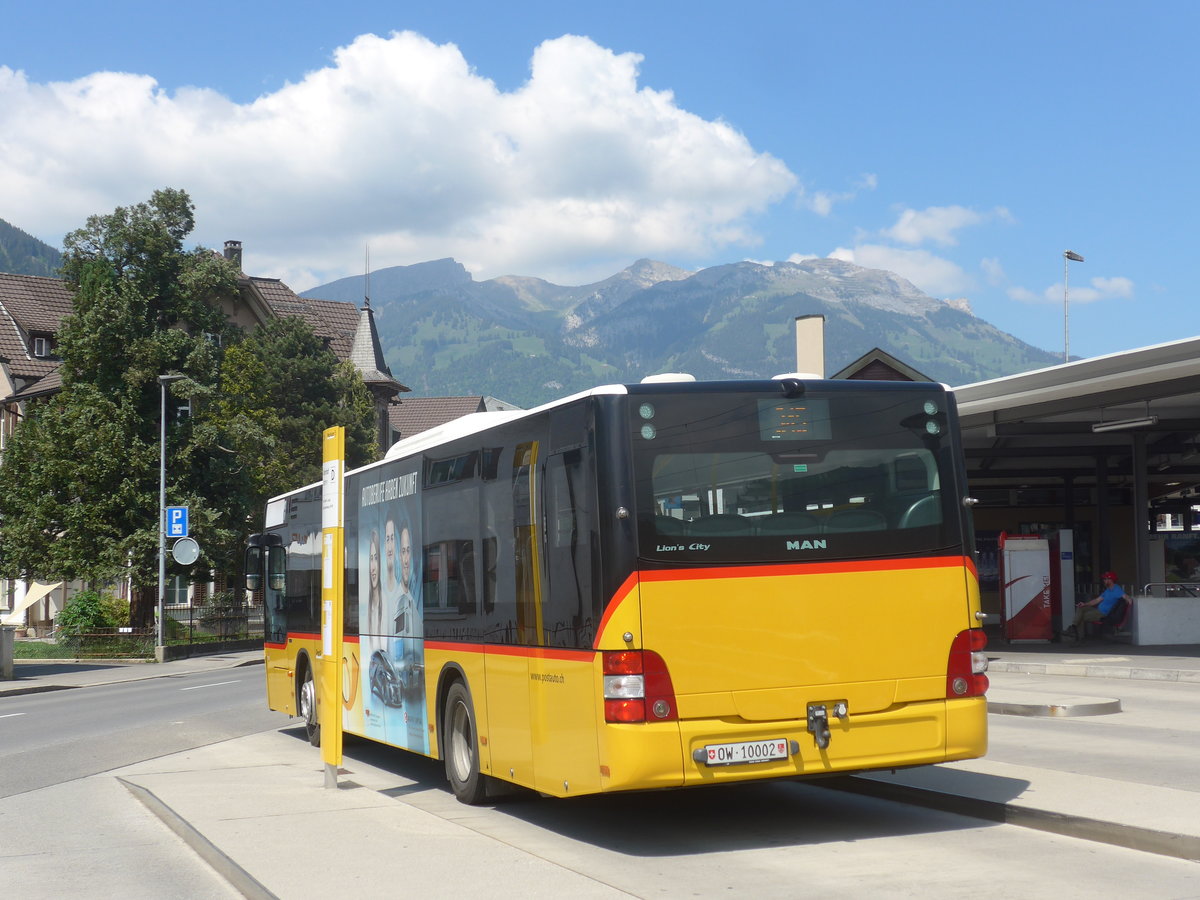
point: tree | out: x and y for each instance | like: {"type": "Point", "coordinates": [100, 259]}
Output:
{"type": "Point", "coordinates": [79, 484]}
{"type": "Point", "coordinates": [79, 487]}
{"type": "Point", "coordinates": [280, 389]}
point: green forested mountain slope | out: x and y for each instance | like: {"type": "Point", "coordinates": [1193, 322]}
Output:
{"type": "Point", "coordinates": [527, 341]}
{"type": "Point", "coordinates": [22, 254]}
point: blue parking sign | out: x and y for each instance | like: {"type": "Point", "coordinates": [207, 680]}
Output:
{"type": "Point", "coordinates": [177, 521]}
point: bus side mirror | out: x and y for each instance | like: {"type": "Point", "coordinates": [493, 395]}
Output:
{"type": "Point", "coordinates": [276, 568]}
{"type": "Point", "coordinates": [254, 561]}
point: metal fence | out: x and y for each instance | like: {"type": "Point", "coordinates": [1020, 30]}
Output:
{"type": "Point", "coordinates": [194, 624]}
{"type": "Point", "coordinates": [1171, 589]}
{"type": "Point", "coordinates": [108, 643]}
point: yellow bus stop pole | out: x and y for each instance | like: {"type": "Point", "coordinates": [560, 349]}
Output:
{"type": "Point", "coordinates": [333, 535]}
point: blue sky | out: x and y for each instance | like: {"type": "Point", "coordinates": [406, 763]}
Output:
{"type": "Point", "coordinates": [963, 145]}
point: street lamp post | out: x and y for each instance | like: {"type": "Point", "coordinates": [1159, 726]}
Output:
{"type": "Point", "coordinates": [1068, 256]}
{"type": "Point", "coordinates": [161, 630]}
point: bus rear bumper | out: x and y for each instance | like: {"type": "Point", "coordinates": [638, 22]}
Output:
{"type": "Point", "coordinates": [706, 751]}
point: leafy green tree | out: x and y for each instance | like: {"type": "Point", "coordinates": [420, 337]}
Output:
{"type": "Point", "coordinates": [79, 484]}
{"type": "Point", "coordinates": [280, 389]}
{"type": "Point", "coordinates": [79, 487]}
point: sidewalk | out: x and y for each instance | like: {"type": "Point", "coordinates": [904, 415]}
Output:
{"type": "Point", "coordinates": [32, 676]}
{"type": "Point", "coordinates": [221, 798]}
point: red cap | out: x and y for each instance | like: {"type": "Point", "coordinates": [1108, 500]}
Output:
{"type": "Point", "coordinates": [1111, 576]}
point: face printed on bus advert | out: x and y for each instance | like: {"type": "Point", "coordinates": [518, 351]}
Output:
{"type": "Point", "coordinates": [389, 550]}
{"type": "Point", "coordinates": [373, 560]}
{"type": "Point", "coordinates": [405, 557]}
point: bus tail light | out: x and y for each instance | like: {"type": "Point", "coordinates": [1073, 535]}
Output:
{"type": "Point", "coordinates": [637, 687]}
{"type": "Point", "coordinates": [966, 665]}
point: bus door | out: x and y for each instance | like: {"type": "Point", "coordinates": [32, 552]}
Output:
{"type": "Point", "coordinates": [506, 668]}
{"type": "Point", "coordinates": [561, 684]}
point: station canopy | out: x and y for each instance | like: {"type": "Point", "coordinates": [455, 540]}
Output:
{"type": "Point", "coordinates": [1130, 419]}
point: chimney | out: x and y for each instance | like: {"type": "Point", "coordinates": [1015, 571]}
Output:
{"type": "Point", "coordinates": [233, 253]}
{"type": "Point", "coordinates": [810, 344]}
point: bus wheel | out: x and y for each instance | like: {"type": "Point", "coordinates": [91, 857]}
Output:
{"type": "Point", "coordinates": [462, 747]}
{"type": "Point", "coordinates": [308, 708]}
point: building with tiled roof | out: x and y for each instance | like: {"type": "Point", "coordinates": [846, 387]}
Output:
{"type": "Point", "coordinates": [347, 331]}
{"type": "Point", "coordinates": [31, 311]}
{"type": "Point", "coordinates": [417, 414]}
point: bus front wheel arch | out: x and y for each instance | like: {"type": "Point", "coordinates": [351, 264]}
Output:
{"type": "Point", "coordinates": [461, 751]}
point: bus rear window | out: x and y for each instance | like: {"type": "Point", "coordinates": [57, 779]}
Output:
{"type": "Point", "coordinates": [741, 478]}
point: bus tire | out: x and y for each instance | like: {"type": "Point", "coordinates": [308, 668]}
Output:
{"type": "Point", "coordinates": [306, 704]}
{"type": "Point", "coordinates": [462, 747]}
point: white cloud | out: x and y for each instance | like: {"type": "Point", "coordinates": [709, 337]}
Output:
{"type": "Point", "coordinates": [934, 275]}
{"type": "Point", "coordinates": [1117, 288]}
{"type": "Point", "coordinates": [398, 143]}
{"type": "Point", "coordinates": [937, 224]}
{"type": "Point", "coordinates": [993, 271]}
{"type": "Point", "coordinates": [1024, 295]}
{"type": "Point", "coordinates": [822, 202]}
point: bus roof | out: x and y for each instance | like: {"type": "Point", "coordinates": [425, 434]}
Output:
{"type": "Point", "coordinates": [478, 421]}
{"type": "Point", "coordinates": [473, 423]}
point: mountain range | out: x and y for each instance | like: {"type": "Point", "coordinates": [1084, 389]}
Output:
{"type": "Point", "coordinates": [526, 340]}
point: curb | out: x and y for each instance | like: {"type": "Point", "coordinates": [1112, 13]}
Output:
{"type": "Point", "coordinates": [1131, 837]}
{"type": "Point", "coordinates": [36, 689]}
{"type": "Point", "coordinates": [1067, 708]}
{"type": "Point", "coordinates": [1139, 673]}
{"type": "Point", "coordinates": [241, 880]}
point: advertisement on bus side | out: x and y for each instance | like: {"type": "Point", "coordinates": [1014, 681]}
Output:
{"type": "Point", "coordinates": [390, 607]}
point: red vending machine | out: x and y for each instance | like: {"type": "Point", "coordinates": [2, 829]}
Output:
{"type": "Point", "coordinates": [1025, 587]}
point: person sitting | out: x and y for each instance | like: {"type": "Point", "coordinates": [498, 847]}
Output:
{"type": "Point", "coordinates": [1098, 607]}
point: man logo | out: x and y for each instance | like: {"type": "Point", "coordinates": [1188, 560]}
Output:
{"type": "Point", "coordinates": [807, 545]}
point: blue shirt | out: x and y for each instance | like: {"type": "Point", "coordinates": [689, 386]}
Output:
{"type": "Point", "coordinates": [1109, 599]}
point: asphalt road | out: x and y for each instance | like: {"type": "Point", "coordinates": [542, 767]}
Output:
{"type": "Point", "coordinates": [60, 736]}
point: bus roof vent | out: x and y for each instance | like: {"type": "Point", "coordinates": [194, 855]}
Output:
{"type": "Point", "coordinates": [664, 377]}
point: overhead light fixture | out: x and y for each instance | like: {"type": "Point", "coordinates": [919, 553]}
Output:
{"type": "Point", "coordinates": [1125, 424]}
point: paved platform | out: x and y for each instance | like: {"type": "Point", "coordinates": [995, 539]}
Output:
{"type": "Point", "coordinates": [222, 798]}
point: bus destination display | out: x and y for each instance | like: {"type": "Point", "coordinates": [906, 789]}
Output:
{"type": "Point", "coordinates": [796, 420]}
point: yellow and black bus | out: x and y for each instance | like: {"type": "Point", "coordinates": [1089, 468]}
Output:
{"type": "Point", "coordinates": [648, 586]}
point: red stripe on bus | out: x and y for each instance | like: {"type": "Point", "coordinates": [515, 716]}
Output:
{"type": "Point", "coordinates": [816, 568]}
{"type": "Point", "coordinates": [622, 592]}
{"type": "Point", "coordinates": [506, 650]}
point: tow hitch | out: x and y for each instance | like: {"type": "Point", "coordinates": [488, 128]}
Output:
{"type": "Point", "coordinates": [818, 720]}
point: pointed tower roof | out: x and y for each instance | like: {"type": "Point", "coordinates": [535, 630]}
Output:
{"type": "Point", "coordinates": [367, 355]}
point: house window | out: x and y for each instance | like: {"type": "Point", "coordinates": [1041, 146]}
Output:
{"type": "Point", "coordinates": [41, 347]}
{"type": "Point", "coordinates": [213, 338]}
{"type": "Point", "coordinates": [177, 591]}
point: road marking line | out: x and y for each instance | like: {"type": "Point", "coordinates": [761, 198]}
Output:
{"type": "Point", "coordinates": [217, 684]}
{"type": "Point", "coordinates": [11, 715]}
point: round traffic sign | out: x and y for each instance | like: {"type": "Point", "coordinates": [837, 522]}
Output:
{"type": "Point", "coordinates": [185, 551]}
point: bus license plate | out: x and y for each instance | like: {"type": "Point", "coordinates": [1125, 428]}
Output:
{"type": "Point", "coordinates": [745, 752]}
